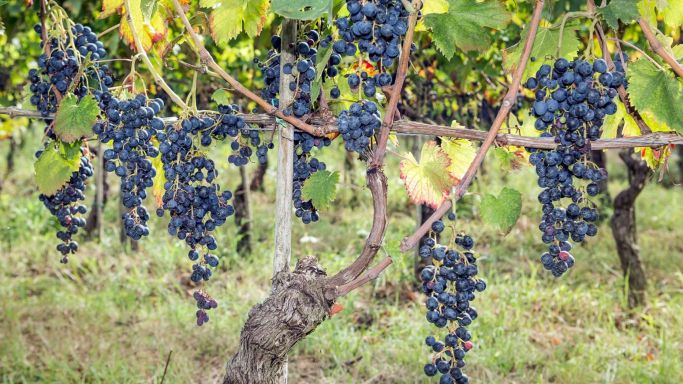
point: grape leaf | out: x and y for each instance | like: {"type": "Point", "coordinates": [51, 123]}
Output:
{"type": "Point", "coordinates": [434, 7]}
{"type": "Point", "coordinates": [56, 164]}
{"type": "Point", "coordinates": [656, 93]}
{"type": "Point", "coordinates": [545, 47]}
{"type": "Point", "coordinates": [222, 97]}
{"type": "Point", "coordinates": [321, 188]}
{"type": "Point", "coordinates": [75, 118]}
{"type": "Point", "coordinates": [149, 22]}
{"type": "Point", "coordinates": [466, 25]}
{"type": "Point", "coordinates": [502, 211]}
{"type": "Point", "coordinates": [624, 10]}
{"type": "Point", "coordinates": [428, 181]}
{"type": "Point", "coordinates": [324, 55]}
{"type": "Point", "coordinates": [159, 181]}
{"type": "Point", "coordinates": [672, 13]}
{"type": "Point", "coordinates": [301, 9]}
{"type": "Point", "coordinates": [461, 152]}
{"type": "Point", "coordinates": [655, 157]}
{"type": "Point", "coordinates": [230, 17]}
{"type": "Point", "coordinates": [611, 123]}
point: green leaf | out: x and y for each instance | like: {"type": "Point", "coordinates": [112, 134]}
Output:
{"type": "Point", "coordinates": [56, 164]}
{"type": "Point", "coordinates": [427, 182]}
{"type": "Point", "coordinates": [323, 57]}
{"type": "Point", "coordinates": [672, 14]}
{"type": "Point", "coordinates": [222, 97]}
{"type": "Point", "coordinates": [624, 10]}
{"type": "Point", "coordinates": [502, 211]}
{"type": "Point", "coordinates": [545, 47]}
{"type": "Point", "coordinates": [301, 9]}
{"type": "Point", "coordinates": [230, 17]}
{"type": "Point", "coordinates": [656, 94]}
{"type": "Point", "coordinates": [612, 122]}
{"type": "Point", "coordinates": [321, 188]}
{"type": "Point", "coordinates": [466, 25]}
{"type": "Point", "coordinates": [75, 118]}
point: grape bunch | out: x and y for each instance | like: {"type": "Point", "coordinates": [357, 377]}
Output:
{"type": "Point", "coordinates": [130, 126]}
{"type": "Point", "coordinates": [304, 166]}
{"type": "Point", "coordinates": [358, 124]}
{"type": "Point", "coordinates": [375, 29]}
{"type": "Point", "coordinates": [204, 303]}
{"type": "Point", "coordinates": [64, 206]}
{"type": "Point", "coordinates": [303, 70]}
{"type": "Point", "coordinates": [192, 197]}
{"type": "Point", "coordinates": [450, 284]}
{"type": "Point", "coordinates": [245, 139]}
{"type": "Point", "coordinates": [571, 102]}
{"type": "Point", "coordinates": [71, 60]}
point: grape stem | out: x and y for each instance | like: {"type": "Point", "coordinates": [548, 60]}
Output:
{"type": "Point", "coordinates": [635, 47]}
{"type": "Point", "coordinates": [208, 60]}
{"type": "Point", "coordinates": [508, 101]}
{"type": "Point", "coordinates": [143, 55]}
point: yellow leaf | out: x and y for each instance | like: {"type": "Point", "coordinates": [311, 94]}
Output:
{"type": "Point", "coordinates": [461, 152]}
{"type": "Point", "coordinates": [427, 182]}
{"type": "Point", "coordinates": [654, 157]}
{"type": "Point", "coordinates": [150, 29]}
{"type": "Point", "coordinates": [434, 6]}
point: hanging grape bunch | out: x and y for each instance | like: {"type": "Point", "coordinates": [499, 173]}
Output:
{"type": "Point", "coordinates": [450, 284]}
{"type": "Point", "coordinates": [305, 165]}
{"type": "Point", "coordinates": [572, 100]}
{"type": "Point", "coordinates": [374, 31]}
{"type": "Point", "coordinates": [64, 205]}
{"type": "Point", "coordinates": [72, 59]}
{"type": "Point", "coordinates": [130, 126]}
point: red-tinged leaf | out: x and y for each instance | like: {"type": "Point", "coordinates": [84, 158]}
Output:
{"type": "Point", "coordinates": [427, 182]}
{"type": "Point", "coordinates": [336, 308]}
{"type": "Point", "coordinates": [230, 17]}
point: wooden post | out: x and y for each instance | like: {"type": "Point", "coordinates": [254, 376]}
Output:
{"type": "Point", "coordinates": [285, 166]}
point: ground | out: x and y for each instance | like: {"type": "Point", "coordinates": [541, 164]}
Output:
{"type": "Point", "coordinates": [113, 315]}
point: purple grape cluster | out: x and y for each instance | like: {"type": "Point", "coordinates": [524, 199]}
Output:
{"type": "Point", "coordinates": [450, 284]}
{"type": "Point", "coordinates": [130, 126]}
{"type": "Point", "coordinates": [64, 206]}
{"type": "Point", "coordinates": [204, 304]}
{"type": "Point", "coordinates": [572, 100]}
{"type": "Point", "coordinates": [65, 68]}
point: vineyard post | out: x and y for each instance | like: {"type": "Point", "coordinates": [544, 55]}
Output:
{"type": "Point", "coordinates": [508, 102]}
{"type": "Point", "coordinates": [285, 164]}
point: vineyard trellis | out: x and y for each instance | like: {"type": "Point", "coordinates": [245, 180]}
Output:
{"type": "Point", "coordinates": [301, 299]}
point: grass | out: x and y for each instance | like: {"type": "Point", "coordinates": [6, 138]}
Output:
{"type": "Point", "coordinates": [112, 315]}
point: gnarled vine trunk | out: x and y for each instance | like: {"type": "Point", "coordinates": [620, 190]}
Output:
{"type": "Point", "coordinates": [623, 225]}
{"type": "Point", "coordinates": [294, 309]}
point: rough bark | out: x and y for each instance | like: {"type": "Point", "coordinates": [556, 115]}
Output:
{"type": "Point", "coordinates": [294, 309]}
{"type": "Point", "coordinates": [623, 225]}
{"type": "Point", "coordinates": [243, 215]}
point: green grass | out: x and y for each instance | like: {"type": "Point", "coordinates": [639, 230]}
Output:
{"type": "Point", "coordinates": [112, 315]}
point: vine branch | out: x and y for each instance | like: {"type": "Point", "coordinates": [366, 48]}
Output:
{"type": "Point", "coordinates": [658, 48]}
{"type": "Point", "coordinates": [143, 54]}
{"type": "Point", "coordinates": [376, 180]}
{"type": "Point", "coordinates": [508, 102]}
{"type": "Point", "coordinates": [407, 127]}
